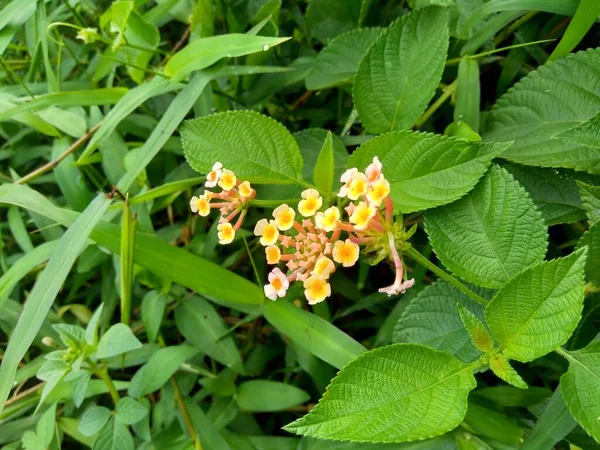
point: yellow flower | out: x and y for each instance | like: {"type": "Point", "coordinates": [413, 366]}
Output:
{"type": "Point", "coordinates": [267, 230]}
{"type": "Point", "coordinates": [273, 254]}
{"type": "Point", "coordinates": [358, 186]}
{"type": "Point", "coordinates": [310, 203]}
{"type": "Point", "coordinates": [378, 191]}
{"type": "Point", "coordinates": [227, 180]}
{"type": "Point", "coordinates": [245, 189]}
{"type": "Point", "coordinates": [361, 215]}
{"type": "Point", "coordinates": [323, 267]}
{"type": "Point", "coordinates": [284, 217]}
{"type": "Point", "coordinates": [214, 175]}
{"type": "Point", "coordinates": [226, 233]}
{"type": "Point", "coordinates": [345, 253]}
{"type": "Point", "coordinates": [201, 205]}
{"type": "Point", "coordinates": [328, 219]}
{"type": "Point", "coordinates": [278, 285]}
{"type": "Point", "coordinates": [346, 178]}
{"type": "Point", "coordinates": [316, 289]}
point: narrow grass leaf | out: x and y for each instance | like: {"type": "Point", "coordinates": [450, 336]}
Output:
{"type": "Point", "coordinates": [585, 16]}
{"type": "Point", "coordinates": [468, 93]}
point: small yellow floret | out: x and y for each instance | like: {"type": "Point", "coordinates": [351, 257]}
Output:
{"type": "Point", "coordinates": [358, 186]}
{"type": "Point", "coordinates": [310, 203]}
{"type": "Point", "coordinates": [323, 267]}
{"type": "Point", "coordinates": [227, 180]}
{"type": "Point", "coordinates": [345, 253]}
{"type": "Point", "coordinates": [316, 289]}
{"type": "Point", "coordinates": [267, 230]}
{"type": "Point", "coordinates": [328, 220]}
{"type": "Point", "coordinates": [278, 285]}
{"type": "Point", "coordinates": [273, 254]}
{"type": "Point", "coordinates": [378, 191]}
{"type": "Point", "coordinates": [361, 215]}
{"type": "Point", "coordinates": [226, 233]}
{"type": "Point", "coordinates": [213, 176]}
{"type": "Point", "coordinates": [284, 217]}
{"type": "Point", "coordinates": [245, 189]}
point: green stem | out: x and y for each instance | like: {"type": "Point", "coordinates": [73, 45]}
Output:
{"type": "Point", "coordinates": [448, 91]}
{"type": "Point", "coordinates": [497, 50]}
{"type": "Point", "coordinates": [186, 414]}
{"type": "Point", "coordinates": [414, 254]}
{"type": "Point", "coordinates": [104, 376]}
{"type": "Point", "coordinates": [513, 27]}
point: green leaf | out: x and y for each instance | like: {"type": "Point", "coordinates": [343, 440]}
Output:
{"type": "Point", "coordinates": [114, 436]}
{"type": "Point", "coordinates": [432, 319]}
{"type": "Point", "coordinates": [93, 420]}
{"type": "Point", "coordinates": [491, 234]}
{"type": "Point", "coordinates": [537, 310]}
{"type": "Point", "coordinates": [128, 225]}
{"type": "Point", "coordinates": [80, 385]}
{"type": "Point", "coordinates": [46, 426]}
{"type": "Point", "coordinates": [153, 310]}
{"type": "Point", "coordinates": [581, 387]}
{"type": "Point", "coordinates": [399, 74]}
{"type": "Point", "coordinates": [91, 331]}
{"type": "Point", "coordinates": [310, 142]}
{"type": "Point", "coordinates": [71, 335]}
{"type": "Point", "coordinates": [549, 100]}
{"type": "Point", "coordinates": [476, 329]}
{"type": "Point", "coordinates": [416, 392]}
{"type": "Point", "coordinates": [468, 93]}
{"type": "Point", "coordinates": [488, 423]}
{"type": "Point", "coordinates": [117, 340]}
{"type": "Point", "coordinates": [323, 173]}
{"type": "Point", "coordinates": [337, 63]}
{"type": "Point", "coordinates": [203, 327]}
{"type": "Point", "coordinates": [427, 170]}
{"type": "Point", "coordinates": [208, 434]}
{"type": "Point", "coordinates": [590, 199]}
{"type": "Point", "coordinates": [510, 396]}
{"type": "Point", "coordinates": [591, 238]}
{"type": "Point", "coordinates": [159, 368]}
{"type": "Point", "coordinates": [312, 333]}
{"type": "Point", "coordinates": [268, 396]}
{"type": "Point", "coordinates": [503, 370]}
{"type": "Point", "coordinates": [255, 147]}
{"type": "Point", "coordinates": [204, 52]}
{"type": "Point", "coordinates": [554, 193]}
{"type": "Point", "coordinates": [585, 16]}
{"type": "Point", "coordinates": [328, 18]}
{"type": "Point", "coordinates": [586, 133]}
{"type": "Point", "coordinates": [129, 411]}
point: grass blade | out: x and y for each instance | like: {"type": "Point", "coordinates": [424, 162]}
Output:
{"type": "Point", "coordinates": [128, 224]}
{"type": "Point", "coordinates": [585, 16]}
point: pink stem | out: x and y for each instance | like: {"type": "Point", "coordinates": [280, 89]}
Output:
{"type": "Point", "coordinates": [238, 224]}
{"type": "Point", "coordinates": [389, 209]}
{"type": "Point", "coordinates": [397, 261]}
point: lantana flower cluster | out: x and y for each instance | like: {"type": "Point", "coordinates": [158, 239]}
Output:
{"type": "Point", "coordinates": [312, 242]}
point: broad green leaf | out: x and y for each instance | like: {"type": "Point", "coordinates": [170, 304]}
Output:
{"type": "Point", "coordinates": [114, 436]}
{"type": "Point", "coordinates": [328, 18]}
{"type": "Point", "coordinates": [554, 193]}
{"type": "Point", "coordinates": [323, 173]}
{"type": "Point", "coordinates": [203, 327]}
{"type": "Point", "coordinates": [71, 335]}
{"type": "Point", "coordinates": [537, 310]}
{"type": "Point", "coordinates": [445, 442]}
{"type": "Point", "coordinates": [93, 420]}
{"type": "Point", "coordinates": [80, 384]}
{"type": "Point", "coordinates": [585, 16]}
{"type": "Point", "coordinates": [491, 234]}
{"type": "Point", "coordinates": [586, 133]}
{"type": "Point", "coordinates": [432, 319]}
{"type": "Point", "coordinates": [503, 370]}
{"type": "Point", "coordinates": [590, 199]}
{"type": "Point", "coordinates": [591, 238]}
{"type": "Point", "coordinates": [581, 387]}
{"type": "Point", "coordinates": [337, 63]}
{"type": "Point", "coordinates": [476, 329]}
{"type": "Point", "coordinates": [398, 393]}
{"type": "Point", "coordinates": [100, 96]}
{"type": "Point", "coordinates": [310, 142]}
{"type": "Point", "coordinates": [267, 396]}
{"type": "Point", "coordinates": [153, 310]}
{"type": "Point", "coordinates": [468, 93]}
{"type": "Point", "coordinates": [117, 340]}
{"type": "Point", "coordinates": [159, 368]}
{"type": "Point", "coordinates": [426, 170]}
{"type": "Point", "coordinates": [255, 147]}
{"type": "Point", "coordinates": [129, 411]}
{"type": "Point", "coordinates": [312, 333]}
{"type": "Point", "coordinates": [548, 101]}
{"type": "Point", "coordinates": [400, 72]}
{"type": "Point", "coordinates": [205, 52]}
{"type": "Point", "coordinates": [44, 292]}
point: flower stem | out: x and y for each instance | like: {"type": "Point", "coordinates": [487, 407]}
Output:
{"type": "Point", "coordinates": [414, 254]}
{"type": "Point", "coordinates": [448, 91]}
{"type": "Point", "coordinates": [102, 373]}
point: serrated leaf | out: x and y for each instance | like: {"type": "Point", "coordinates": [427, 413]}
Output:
{"type": "Point", "coordinates": [427, 170]}
{"type": "Point", "coordinates": [557, 96]}
{"type": "Point", "coordinates": [400, 73]}
{"type": "Point", "coordinates": [398, 393]}
{"type": "Point", "coordinates": [267, 396]}
{"type": "Point", "coordinates": [255, 147]}
{"type": "Point", "coordinates": [581, 387]}
{"type": "Point", "coordinates": [337, 63]}
{"type": "Point", "coordinates": [537, 310]}
{"type": "Point", "coordinates": [591, 239]}
{"type": "Point", "coordinates": [491, 234]}
{"type": "Point", "coordinates": [323, 173]}
{"type": "Point", "coordinates": [326, 19]}
{"type": "Point", "coordinates": [476, 329]}
{"type": "Point", "coordinates": [503, 370]}
{"type": "Point", "coordinates": [586, 133]}
{"type": "Point", "coordinates": [590, 198]}
{"type": "Point", "coordinates": [554, 193]}
{"type": "Point", "coordinates": [129, 411]}
{"type": "Point", "coordinates": [432, 319]}
{"type": "Point", "coordinates": [203, 327]}
{"type": "Point", "coordinates": [310, 142]}
{"type": "Point", "coordinates": [118, 339]}
{"type": "Point", "coordinates": [93, 420]}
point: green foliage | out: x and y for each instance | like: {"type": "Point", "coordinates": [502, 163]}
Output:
{"type": "Point", "coordinates": [323, 173]}
{"type": "Point", "coordinates": [267, 396]}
